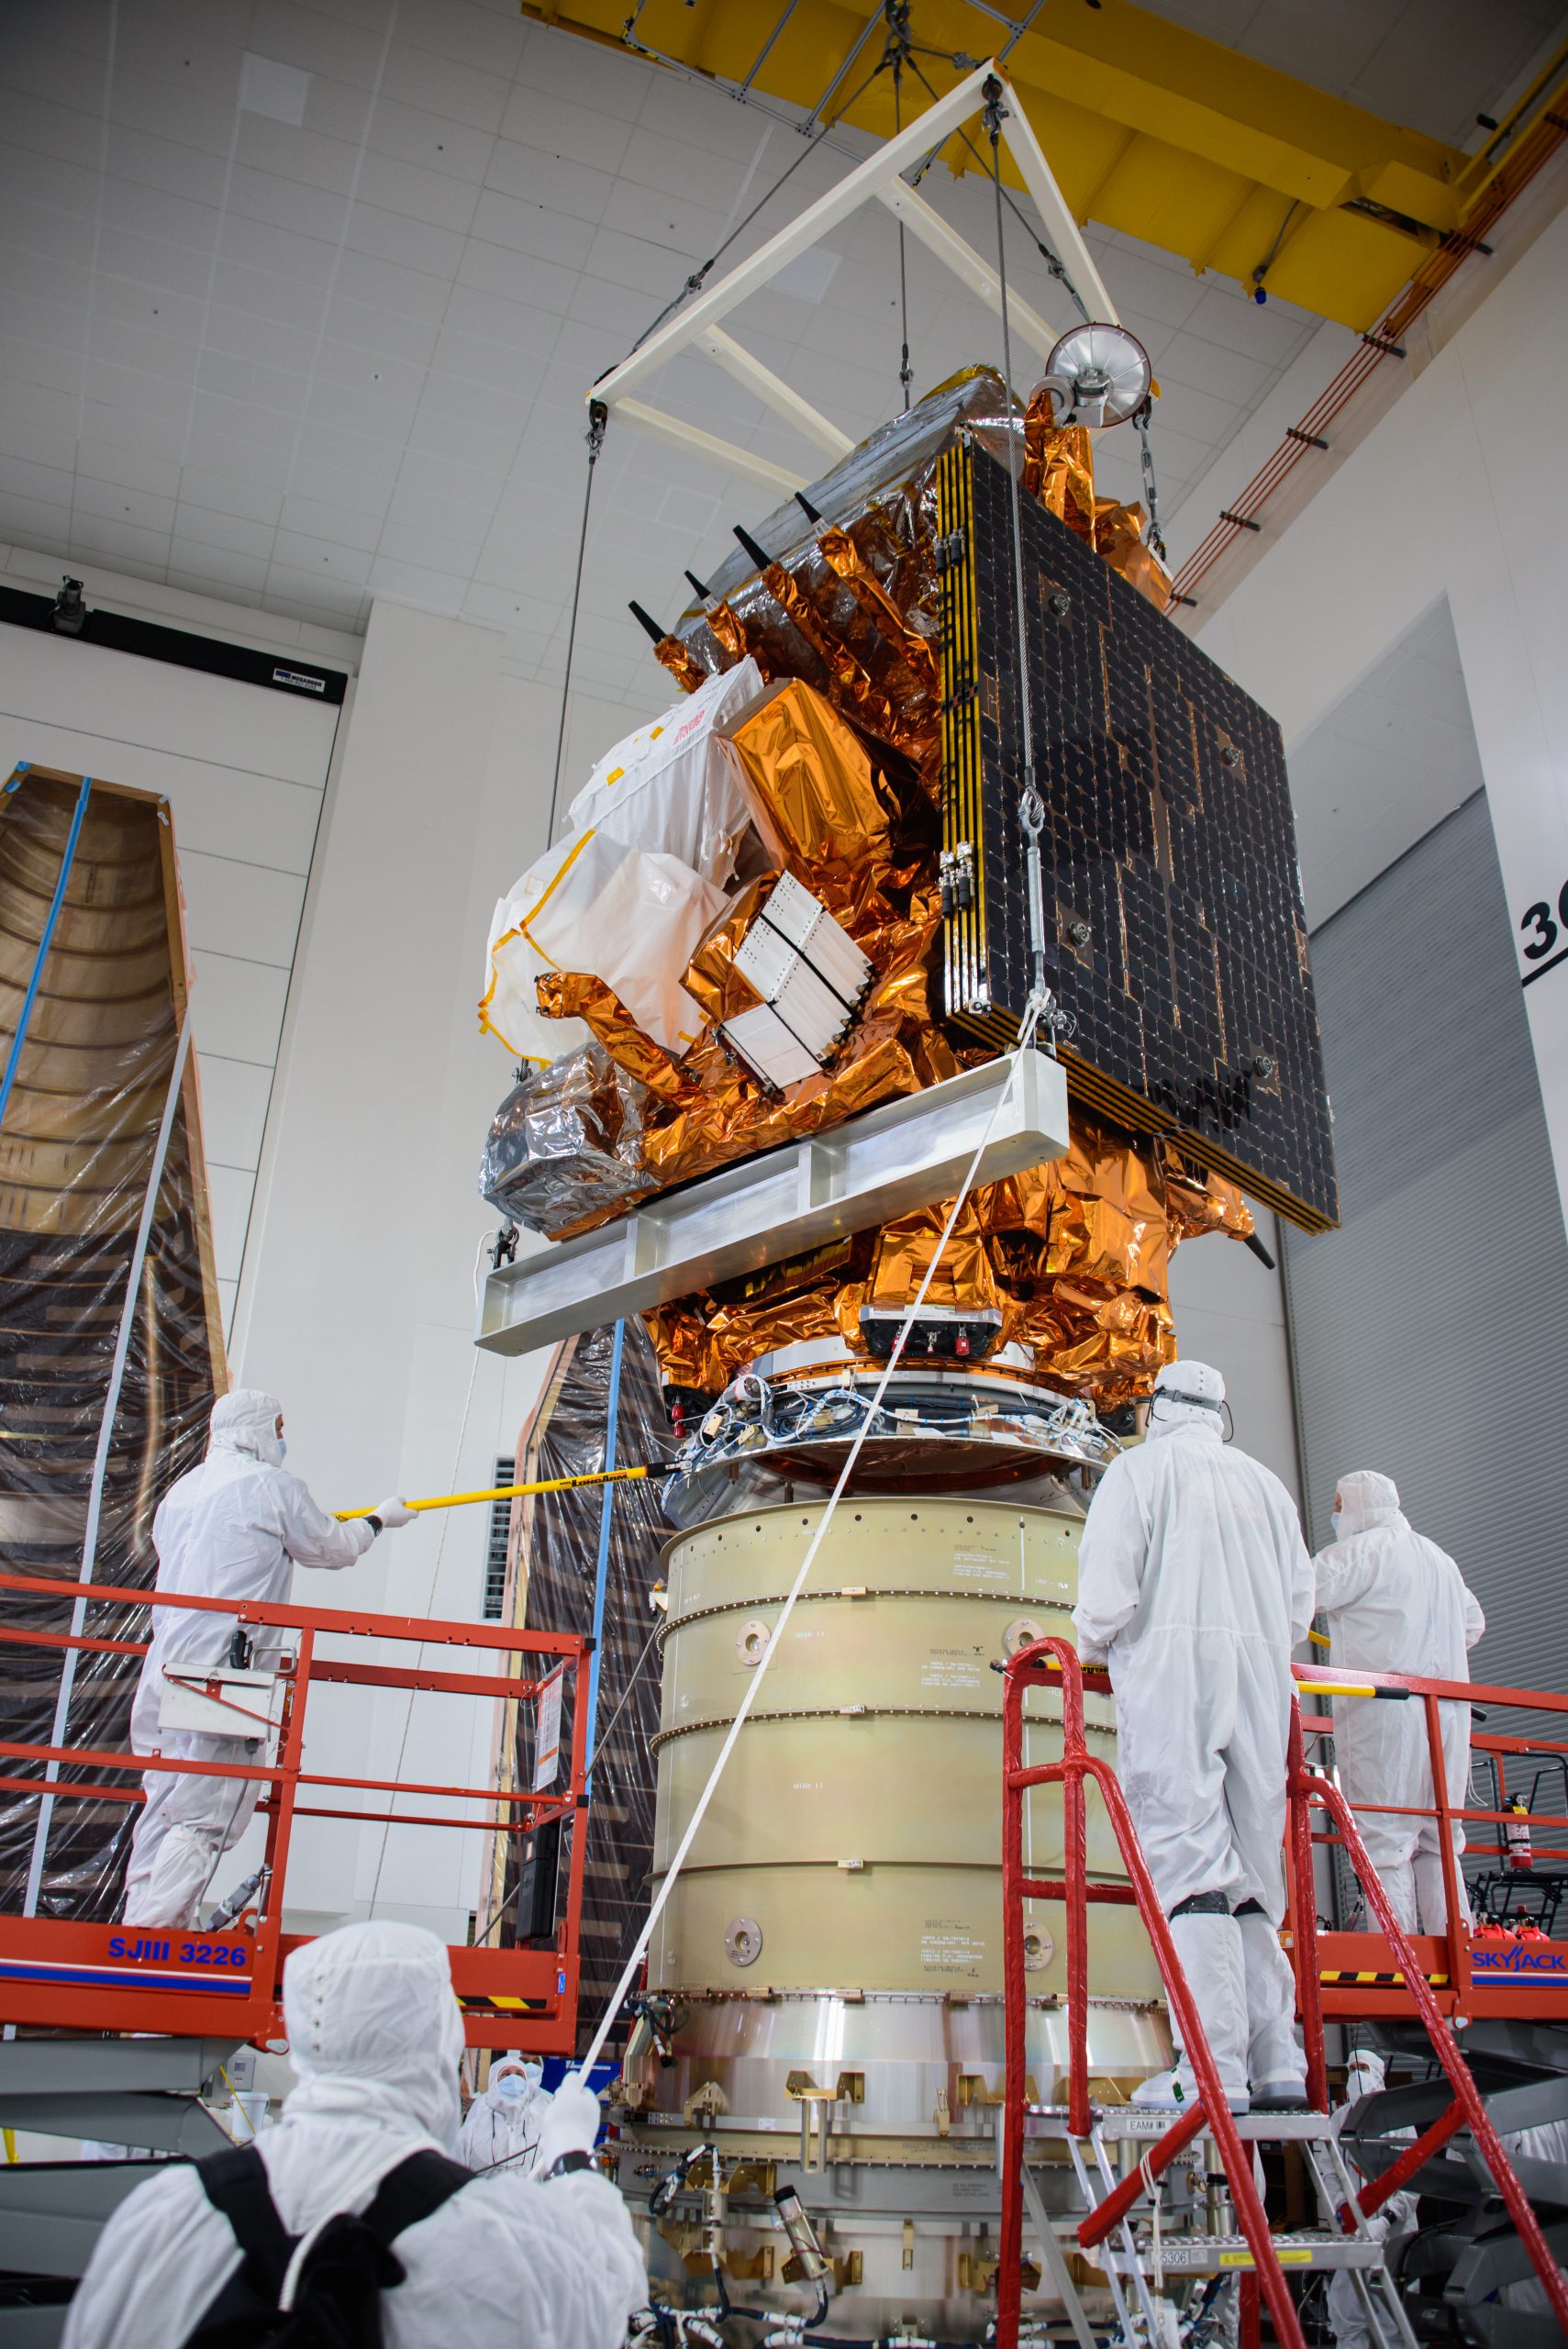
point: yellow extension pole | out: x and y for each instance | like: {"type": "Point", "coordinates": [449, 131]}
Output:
{"type": "Point", "coordinates": [509, 1492]}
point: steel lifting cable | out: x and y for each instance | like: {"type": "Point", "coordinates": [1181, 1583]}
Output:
{"type": "Point", "coordinates": [898, 50]}
{"type": "Point", "coordinates": [598, 417]}
{"type": "Point", "coordinates": [598, 414]}
{"type": "Point", "coordinates": [749, 1696]}
{"type": "Point", "coordinates": [698, 278]}
{"type": "Point", "coordinates": [1052, 260]}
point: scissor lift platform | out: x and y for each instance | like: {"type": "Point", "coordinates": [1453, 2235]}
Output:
{"type": "Point", "coordinates": [87, 1977]}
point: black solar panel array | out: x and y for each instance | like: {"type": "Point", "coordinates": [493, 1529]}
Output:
{"type": "Point", "coordinates": [1175, 934]}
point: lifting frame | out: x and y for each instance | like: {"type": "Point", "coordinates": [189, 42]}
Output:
{"type": "Point", "coordinates": [1404, 1988]}
{"type": "Point", "coordinates": [110, 1977]}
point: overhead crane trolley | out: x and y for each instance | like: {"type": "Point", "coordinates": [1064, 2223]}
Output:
{"type": "Point", "coordinates": [107, 1977]}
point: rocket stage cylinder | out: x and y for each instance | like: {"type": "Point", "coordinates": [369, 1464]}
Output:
{"type": "Point", "coordinates": [854, 1841]}
{"type": "Point", "coordinates": [824, 1983]}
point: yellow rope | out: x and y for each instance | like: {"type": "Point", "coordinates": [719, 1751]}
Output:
{"type": "Point", "coordinates": [509, 1492]}
{"type": "Point", "coordinates": [240, 2109]}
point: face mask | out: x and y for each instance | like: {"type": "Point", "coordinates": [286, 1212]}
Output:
{"type": "Point", "coordinates": [533, 2074]}
{"type": "Point", "coordinates": [283, 1448]}
{"type": "Point", "coordinates": [513, 2084]}
{"type": "Point", "coordinates": [1338, 1521]}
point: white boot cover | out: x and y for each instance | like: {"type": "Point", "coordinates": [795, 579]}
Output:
{"type": "Point", "coordinates": [1274, 2061]}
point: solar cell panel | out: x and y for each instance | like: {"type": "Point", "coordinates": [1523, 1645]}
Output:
{"type": "Point", "coordinates": [1176, 941]}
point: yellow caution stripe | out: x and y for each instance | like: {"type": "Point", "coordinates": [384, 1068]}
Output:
{"type": "Point", "coordinates": [1349, 1981]}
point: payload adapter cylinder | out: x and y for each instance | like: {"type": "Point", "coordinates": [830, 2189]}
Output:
{"type": "Point", "coordinates": [824, 1982]}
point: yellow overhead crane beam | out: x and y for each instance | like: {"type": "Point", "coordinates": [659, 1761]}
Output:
{"type": "Point", "coordinates": [1149, 128]}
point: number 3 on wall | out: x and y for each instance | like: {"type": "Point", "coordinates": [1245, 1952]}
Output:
{"type": "Point", "coordinates": [1542, 933]}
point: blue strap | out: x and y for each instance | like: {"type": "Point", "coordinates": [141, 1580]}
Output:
{"type": "Point", "coordinates": [13, 1057]}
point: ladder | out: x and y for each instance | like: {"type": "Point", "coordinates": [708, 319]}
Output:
{"type": "Point", "coordinates": [1259, 2257]}
{"type": "Point", "coordinates": [1138, 2257]}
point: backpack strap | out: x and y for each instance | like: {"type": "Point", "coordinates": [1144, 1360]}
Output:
{"type": "Point", "coordinates": [348, 2267]}
{"type": "Point", "coordinates": [416, 2190]}
{"type": "Point", "coordinates": [235, 2182]}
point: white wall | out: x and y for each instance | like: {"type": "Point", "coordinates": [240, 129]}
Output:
{"type": "Point", "coordinates": [362, 904]}
{"type": "Point", "coordinates": [1229, 1310]}
{"type": "Point", "coordinates": [357, 1302]}
{"type": "Point", "coordinates": [243, 770]}
{"type": "Point", "coordinates": [1459, 492]}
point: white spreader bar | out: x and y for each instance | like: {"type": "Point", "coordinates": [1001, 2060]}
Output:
{"type": "Point", "coordinates": [887, 1163]}
{"type": "Point", "coordinates": [879, 178]}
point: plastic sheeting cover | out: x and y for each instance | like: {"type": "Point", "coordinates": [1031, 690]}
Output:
{"type": "Point", "coordinates": [559, 1546]}
{"type": "Point", "coordinates": [628, 891]}
{"type": "Point", "coordinates": [76, 1154]}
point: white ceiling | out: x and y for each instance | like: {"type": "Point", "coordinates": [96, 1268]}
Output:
{"type": "Point", "coordinates": [301, 301]}
{"type": "Point", "coordinates": [1431, 64]}
{"type": "Point", "coordinates": [1375, 777]}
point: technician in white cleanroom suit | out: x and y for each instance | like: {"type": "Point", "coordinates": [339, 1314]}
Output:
{"type": "Point", "coordinates": [234, 1528]}
{"type": "Point", "coordinates": [375, 2036]}
{"type": "Point", "coordinates": [1194, 1585]}
{"type": "Point", "coordinates": [503, 2125]}
{"type": "Point", "coordinates": [1397, 1603]}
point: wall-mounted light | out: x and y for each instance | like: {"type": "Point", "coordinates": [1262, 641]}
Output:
{"type": "Point", "coordinates": [69, 616]}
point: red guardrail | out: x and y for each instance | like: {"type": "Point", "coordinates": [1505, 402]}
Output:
{"type": "Point", "coordinates": [110, 1977]}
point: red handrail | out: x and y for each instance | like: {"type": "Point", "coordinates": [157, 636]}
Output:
{"type": "Point", "coordinates": [1305, 1788]}
{"type": "Point", "coordinates": [95, 1977]}
{"type": "Point", "coordinates": [1031, 1666]}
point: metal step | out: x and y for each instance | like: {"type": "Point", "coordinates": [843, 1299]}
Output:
{"type": "Point", "coordinates": [1225, 2255]}
{"type": "Point", "coordinates": [51, 2214]}
{"type": "Point", "coordinates": [1144, 2124]}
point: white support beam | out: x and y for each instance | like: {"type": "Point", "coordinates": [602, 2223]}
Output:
{"type": "Point", "coordinates": [1061, 231]}
{"type": "Point", "coordinates": [924, 221]}
{"type": "Point", "coordinates": [774, 393]}
{"type": "Point", "coordinates": [880, 177]}
{"type": "Point", "coordinates": [750, 276]}
{"type": "Point", "coordinates": [993, 1121]}
{"type": "Point", "coordinates": [727, 453]}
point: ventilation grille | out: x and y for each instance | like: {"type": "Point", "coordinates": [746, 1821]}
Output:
{"type": "Point", "coordinates": [495, 1550]}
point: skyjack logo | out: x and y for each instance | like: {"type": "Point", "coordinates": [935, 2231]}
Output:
{"type": "Point", "coordinates": [1519, 1961]}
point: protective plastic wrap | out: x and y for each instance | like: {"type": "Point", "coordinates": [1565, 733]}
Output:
{"type": "Point", "coordinates": [628, 889]}
{"type": "Point", "coordinates": [565, 1142]}
{"type": "Point", "coordinates": [78, 1144]}
{"type": "Point", "coordinates": [556, 1538]}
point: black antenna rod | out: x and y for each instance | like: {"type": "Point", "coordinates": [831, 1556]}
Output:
{"type": "Point", "coordinates": [763, 560]}
{"type": "Point", "coordinates": [806, 507]}
{"type": "Point", "coordinates": [647, 621]}
{"type": "Point", "coordinates": [704, 592]}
